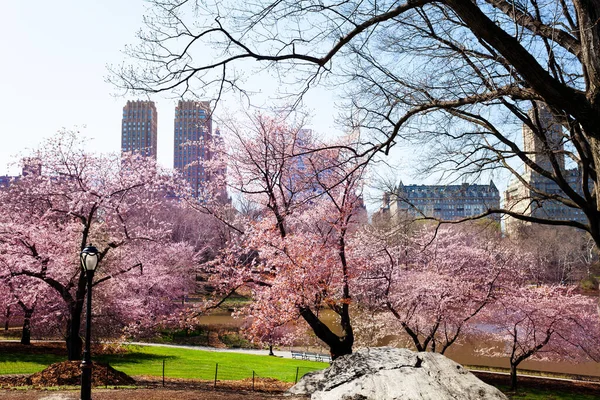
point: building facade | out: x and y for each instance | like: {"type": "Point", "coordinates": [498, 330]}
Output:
{"type": "Point", "coordinates": [528, 194]}
{"type": "Point", "coordinates": [29, 166]}
{"type": "Point", "coordinates": [139, 128]}
{"type": "Point", "coordinates": [5, 180]}
{"type": "Point", "coordinates": [446, 202]}
{"type": "Point", "coordinates": [193, 146]}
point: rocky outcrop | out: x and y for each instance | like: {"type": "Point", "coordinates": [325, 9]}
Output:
{"type": "Point", "coordinates": [384, 373]}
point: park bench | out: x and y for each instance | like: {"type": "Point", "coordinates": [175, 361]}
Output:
{"type": "Point", "coordinates": [311, 356]}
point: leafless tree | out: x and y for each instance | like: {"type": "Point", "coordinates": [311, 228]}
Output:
{"type": "Point", "coordinates": [462, 76]}
{"type": "Point", "coordinates": [563, 254]}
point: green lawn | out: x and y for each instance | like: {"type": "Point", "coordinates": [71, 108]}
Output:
{"type": "Point", "coordinates": [197, 364]}
{"type": "Point", "coordinates": [178, 363]}
{"type": "Point", "coordinates": [538, 394]}
{"type": "Point", "coordinates": [12, 363]}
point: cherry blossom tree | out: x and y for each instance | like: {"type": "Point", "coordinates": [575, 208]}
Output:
{"type": "Point", "coordinates": [292, 256]}
{"type": "Point", "coordinates": [431, 283]}
{"type": "Point", "coordinates": [29, 300]}
{"type": "Point", "coordinates": [269, 327]}
{"type": "Point", "coordinates": [543, 322]}
{"type": "Point", "coordinates": [78, 198]}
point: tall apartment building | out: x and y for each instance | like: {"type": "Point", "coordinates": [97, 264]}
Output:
{"type": "Point", "coordinates": [447, 202]}
{"type": "Point", "coordinates": [139, 128]}
{"type": "Point", "coordinates": [524, 198]}
{"type": "Point", "coordinates": [192, 145]}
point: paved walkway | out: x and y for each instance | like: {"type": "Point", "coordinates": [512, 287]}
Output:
{"type": "Point", "coordinates": [278, 353]}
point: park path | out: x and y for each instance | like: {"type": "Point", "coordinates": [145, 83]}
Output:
{"type": "Point", "coordinates": [278, 353]}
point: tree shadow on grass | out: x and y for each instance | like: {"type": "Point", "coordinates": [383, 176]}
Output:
{"type": "Point", "coordinates": [133, 357]}
{"type": "Point", "coordinates": [33, 358]}
{"type": "Point", "coordinates": [55, 348]}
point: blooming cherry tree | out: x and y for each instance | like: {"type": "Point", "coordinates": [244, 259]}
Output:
{"type": "Point", "coordinates": [542, 322]}
{"type": "Point", "coordinates": [292, 254]}
{"type": "Point", "coordinates": [431, 283]}
{"type": "Point", "coordinates": [76, 198]}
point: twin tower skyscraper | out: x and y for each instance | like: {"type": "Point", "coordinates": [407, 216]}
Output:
{"type": "Point", "coordinates": [193, 135]}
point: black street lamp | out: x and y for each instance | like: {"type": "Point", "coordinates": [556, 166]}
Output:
{"type": "Point", "coordinates": [89, 262]}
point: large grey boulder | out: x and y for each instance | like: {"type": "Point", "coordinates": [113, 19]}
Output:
{"type": "Point", "coordinates": [384, 373]}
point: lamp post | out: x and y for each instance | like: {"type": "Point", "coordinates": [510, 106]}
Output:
{"type": "Point", "coordinates": [89, 262]}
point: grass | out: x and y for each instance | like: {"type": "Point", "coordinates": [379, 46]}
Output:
{"type": "Point", "coordinates": [178, 363]}
{"type": "Point", "coordinates": [530, 372]}
{"type": "Point", "coordinates": [541, 394]}
{"type": "Point", "coordinates": [26, 363]}
{"type": "Point", "coordinates": [197, 364]}
{"type": "Point", "coordinates": [183, 336]}
{"type": "Point", "coordinates": [236, 301]}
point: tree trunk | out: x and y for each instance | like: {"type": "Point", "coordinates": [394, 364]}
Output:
{"type": "Point", "coordinates": [6, 318]}
{"type": "Point", "coordinates": [73, 339]}
{"type": "Point", "coordinates": [338, 345]}
{"type": "Point", "coordinates": [341, 348]}
{"type": "Point", "coordinates": [26, 334]}
{"type": "Point", "coordinates": [593, 216]}
{"type": "Point", "coordinates": [588, 15]}
{"type": "Point", "coordinates": [513, 377]}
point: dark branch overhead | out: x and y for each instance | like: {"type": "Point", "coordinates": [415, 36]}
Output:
{"type": "Point", "coordinates": [457, 77]}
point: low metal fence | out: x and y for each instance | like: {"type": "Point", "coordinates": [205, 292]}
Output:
{"type": "Point", "coordinates": [220, 373]}
{"type": "Point", "coordinates": [171, 372]}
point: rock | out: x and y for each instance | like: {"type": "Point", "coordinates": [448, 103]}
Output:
{"type": "Point", "coordinates": [384, 373]}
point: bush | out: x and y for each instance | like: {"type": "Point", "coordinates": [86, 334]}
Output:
{"type": "Point", "coordinates": [197, 336]}
{"type": "Point", "coordinates": [235, 340]}
{"type": "Point", "coordinates": [589, 283]}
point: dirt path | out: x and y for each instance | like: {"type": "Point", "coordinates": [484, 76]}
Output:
{"type": "Point", "coordinates": [143, 394]}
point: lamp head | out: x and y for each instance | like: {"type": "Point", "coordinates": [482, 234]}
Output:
{"type": "Point", "coordinates": [89, 258]}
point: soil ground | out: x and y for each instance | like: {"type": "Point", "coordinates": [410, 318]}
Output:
{"type": "Point", "coordinates": [151, 388]}
{"type": "Point", "coordinates": [144, 394]}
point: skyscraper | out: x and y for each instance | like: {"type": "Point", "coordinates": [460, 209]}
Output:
{"type": "Point", "coordinates": [545, 140]}
{"type": "Point", "coordinates": [193, 136]}
{"type": "Point", "coordinates": [532, 194]}
{"type": "Point", "coordinates": [139, 128]}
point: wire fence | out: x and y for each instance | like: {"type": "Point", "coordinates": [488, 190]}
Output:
{"type": "Point", "coordinates": [172, 372]}
{"type": "Point", "coordinates": [219, 373]}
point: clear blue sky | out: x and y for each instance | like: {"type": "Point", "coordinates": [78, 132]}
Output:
{"type": "Point", "coordinates": [54, 63]}
{"type": "Point", "coordinates": [54, 59]}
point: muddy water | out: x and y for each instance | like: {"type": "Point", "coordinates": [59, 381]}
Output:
{"type": "Point", "coordinates": [220, 318]}
{"type": "Point", "coordinates": [463, 354]}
